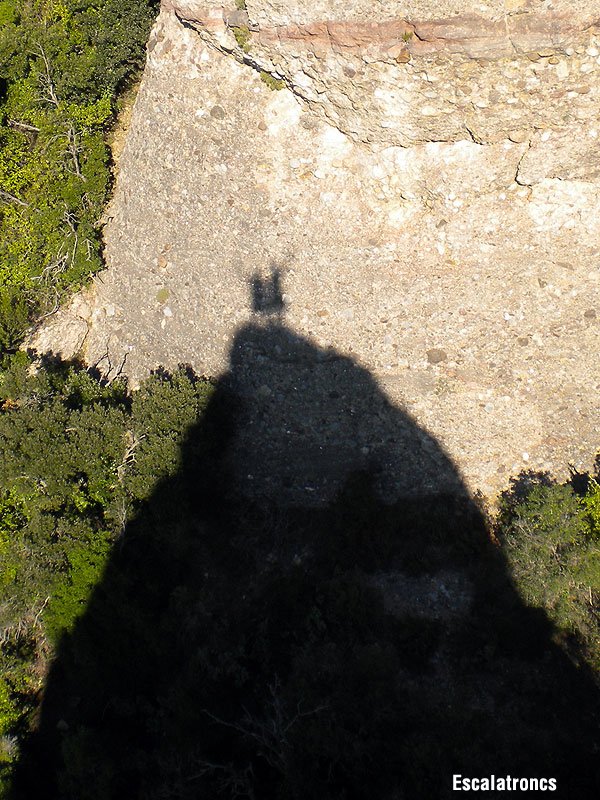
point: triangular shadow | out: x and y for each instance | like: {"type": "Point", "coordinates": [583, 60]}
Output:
{"type": "Point", "coordinates": [312, 607]}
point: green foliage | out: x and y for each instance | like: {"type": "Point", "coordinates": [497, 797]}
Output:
{"type": "Point", "coordinates": [12, 514]}
{"type": "Point", "coordinates": [164, 409]}
{"type": "Point", "coordinates": [77, 455]}
{"type": "Point", "coordinates": [12, 519]}
{"type": "Point", "coordinates": [591, 504]}
{"type": "Point", "coordinates": [8, 712]}
{"type": "Point", "coordinates": [86, 561]}
{"type": "Point", "coordinates": [273, 83]}
{"type": "Point", "coordinates": [61, 67]}
{"type": "Point", "coordinates": [14, 316]}
{"type": "Point", "coordinates": [61, 459]}
{"type": "Point", "coordinates": [551, 537]}
{"type": "Point", "coordinates": [243, 37]}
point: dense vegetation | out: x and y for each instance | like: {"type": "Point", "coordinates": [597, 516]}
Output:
{"type": "Point", "coordinates": [211, 647]}
{"type": "Point", "coordinates": [62, 65]}
{"type": "Point", "coordinates": [76, 460]}
{"type": "Point", "coordinates": [551, 535]}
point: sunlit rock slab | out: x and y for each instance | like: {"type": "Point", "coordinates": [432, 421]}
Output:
{"type": "Point", "coordinates": [456, 280]}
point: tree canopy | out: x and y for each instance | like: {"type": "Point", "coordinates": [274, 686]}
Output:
{"type": "Point", "coordinates": [62, 66]}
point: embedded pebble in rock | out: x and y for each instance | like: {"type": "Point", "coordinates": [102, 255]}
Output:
{"type": "Point", "coordinates": [436, 355]}
{"type": "Point", "coordinates": [429, 177]}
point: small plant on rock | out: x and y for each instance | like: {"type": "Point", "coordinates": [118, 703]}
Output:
{"type": "Point", "coordinates": [242, 37]}
{"type": "Point", "coordinates": [273, 83]}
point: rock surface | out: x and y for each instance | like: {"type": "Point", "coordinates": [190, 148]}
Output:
{"type": "Point", "coordinates": [426, 186]}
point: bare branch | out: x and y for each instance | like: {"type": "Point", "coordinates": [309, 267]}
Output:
{"type": "Point", "coordinates": [270, 732]}
{"type": "Point", "coordinates": [119, 370]}
{"type": "Point", "coordinates": [106, 356]}
{"type": "Point", "coordinates": [55, 268]}
{"type": "Point", "coordinates": [129, 457]}
{"type": "Point", "coordinates": [12, 199]}
{"type": "Point", "coordinates": [106, 372]}
{"type": "Point", "coordinates": [54, 308]}
{"type": "Point", "coordinates": [74, 149]}
{"type": "Point", "coordinates": [236, 782]}
{"type": "Point", "coordinates": [22, 126]}
{"type": "Point", "coordinates": [24, 626]}
{"type": "Point", "coordinates": [46, 80]}
{"type": "Point", "coordinates": [63, 259]}
{"type": "Point", "coordinates": [42, 607]}
{"type": "Point", "coordinates": [71, 222]}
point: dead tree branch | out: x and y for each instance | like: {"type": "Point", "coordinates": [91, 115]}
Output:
{"type": "Point", "coordinates": [22, 126]}
{"type": "Point", "coordinates": [270, 732]}
{"type": "Point", "coordinates": [119, 370]}
{"type": "Point", "coordinates": [71, 221]}
{"type": "Point", "coordinates": [133, 441]}
{"type": "Point", "coordinates": [54, 308]}
{"type": "Point", "coordinates": [234, 782]}
{"type": "Point", "coordinates": [46, 80]}
{"type": "Point", "coordinates": [12, 199]}
{"type": "Point", "coordinates": [74, 150]}
{"type": "Point", "coordinates": [55, 268]}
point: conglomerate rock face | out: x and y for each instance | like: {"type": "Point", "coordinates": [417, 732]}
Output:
{"type": "Point", "coordinates": [423, 193]}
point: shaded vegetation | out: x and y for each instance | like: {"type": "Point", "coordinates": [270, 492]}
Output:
{"type": "Point", "coordinates": [62, 65]}
{"type": "Point", "coordinates": [551, 535]}
{"type": "Point", "coordinates": [77, 457]}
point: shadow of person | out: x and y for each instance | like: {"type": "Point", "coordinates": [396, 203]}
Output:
{"type": "Point", "coordinates": [311, 607]}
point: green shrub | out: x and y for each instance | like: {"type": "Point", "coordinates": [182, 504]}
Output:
{"type": "Point", "coordinates": [9, 714]}
{"type": "Point", "coordinates": [243, 37]}
{"type": "Point", "coordinates": [591, 504]}
{"type": "Point", "coordinates": [551, 538]}
{"type": "Point", "coordinates": [61, 68]}
{"type": "Point", "coordinates": [275, 84]}
{"type": "Point", "coordinates": [77, 458]}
